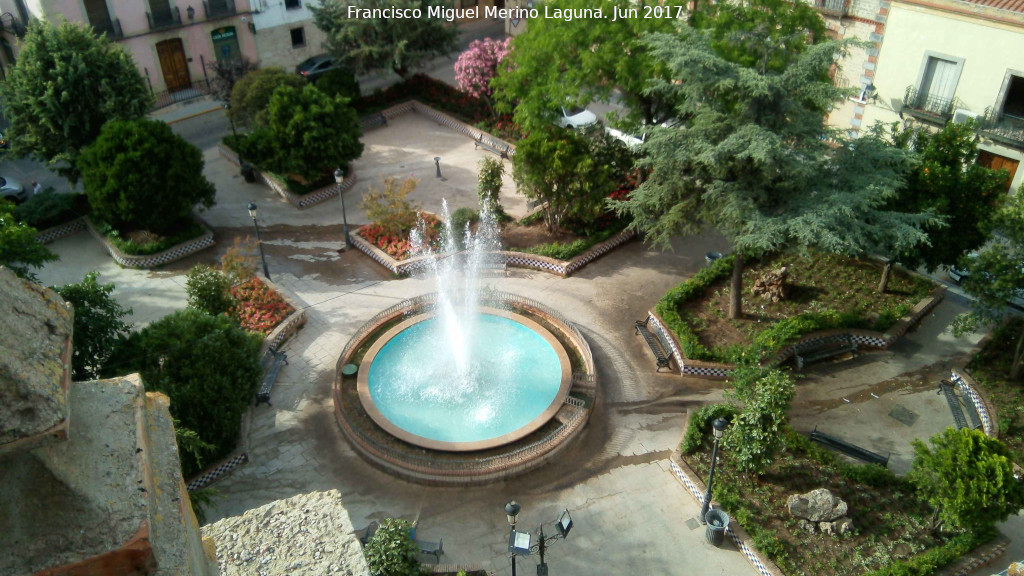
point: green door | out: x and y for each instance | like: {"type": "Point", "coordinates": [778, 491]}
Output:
{"type": "Point", "coordinates": [225, 44]}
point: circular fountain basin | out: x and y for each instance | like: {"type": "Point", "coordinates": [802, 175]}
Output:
{"type": "Point", "coordinates": [518, 377]}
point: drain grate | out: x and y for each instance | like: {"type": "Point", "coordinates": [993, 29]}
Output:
{"type": "Point", "coordinates": [904, 416]}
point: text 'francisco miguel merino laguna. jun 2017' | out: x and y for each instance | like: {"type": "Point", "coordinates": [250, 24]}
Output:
{"type": "Point", "coordinates": [568, 14]}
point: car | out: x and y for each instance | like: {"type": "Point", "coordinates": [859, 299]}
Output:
{"type": "Point", "coordinates": [958, 273]}
{"type": "Point", "coordinates": [313, 68]}
{"type": "Point", "coordinates": [12, 190]}
{"type": "Point", "coordinates": [576, 118]}
{"type": "Point", "coordinates": [625, 137]}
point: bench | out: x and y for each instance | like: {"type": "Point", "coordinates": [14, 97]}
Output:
{"type": "Point", "coordinates": [946, 389]}
{"type": "Point", "coordinates": [500, 150]}
{"type": "Point", "coordinates": [272, 362]}
{"type": "Point", "coordinates": [814, 352]}
{"type": "Point", "coordinates": [853, 450]}
{"type": "Point", "coordinates": [435, 549]}
{"type": "Point", "coordinates": [972, 411]}
{"type": "Point", "coordinates": [656, 342]}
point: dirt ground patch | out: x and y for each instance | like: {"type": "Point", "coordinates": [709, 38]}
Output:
{"type": "Point", "coordinates": [518, 236]}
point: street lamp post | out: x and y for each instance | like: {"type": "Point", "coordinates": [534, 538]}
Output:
{"type": "Point", "coordinates": [339, 177]}
{"type": "Point", "coordinates": [253, 209]}
{"type": "Point", "coordinates": [437, 165]}
{"type": "Point", "coordinates": [718, 426]}
{"type": "Point", "coordinates": [227, 109]}
{"type": "Point", "coordinates": [519, 542]}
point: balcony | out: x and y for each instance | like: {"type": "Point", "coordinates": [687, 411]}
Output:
{"type": "Point", "coordinates": [111, 27]}
{"type": "Point", "coordinates": [218, 8]}
{"type": "Point", "coordinates": [9, 23]}
{"type": "Point", "coordinates": [1003, 128]}
{"type": "Point", "coordinates": [162, 20]}
{"type": "Point", "coordinates": [837, 8]}
{"type": "Point", "coordinates": [928, 107]}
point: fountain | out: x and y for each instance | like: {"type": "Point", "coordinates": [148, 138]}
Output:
{"type": "Point", "coordinates": [467, 373]}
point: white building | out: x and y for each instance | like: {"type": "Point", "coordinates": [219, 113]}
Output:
{"type": "Point", "coordinates": [285, 32]}
{"type": "Point", "coordinates": [950, 60]}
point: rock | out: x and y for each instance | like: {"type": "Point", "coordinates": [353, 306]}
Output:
{"type": "Point", "coordinates": [827, 527]}
{"type": "Point", "coordinates": [809, 526]}
{"type": "Point", "coordinates": [845, 526]}
{"type": "Point", "coordinates": [817, 506]}
{"type": "Point", "coordinates": [1015, 569]}
{"type": "Point", "coordinates": [772, 285]}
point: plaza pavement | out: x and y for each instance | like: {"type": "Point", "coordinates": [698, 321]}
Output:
{"type": "Point", "coordinates": [630, 513]}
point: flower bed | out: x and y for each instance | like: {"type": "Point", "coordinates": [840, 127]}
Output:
{"type": "Point", "coordinates": [828, 292]}
{"type": "Point", "coordinates": [398, 246]}
{"type": "Point", "coordinates": [258, 307]}
{"type": "Point", "coordinates": [990, 368]}
{"type": "Point", "coordinates": [890, 536]}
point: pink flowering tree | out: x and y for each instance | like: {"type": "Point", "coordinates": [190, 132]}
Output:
{"type": "Point", "coordinates": [478, 64]}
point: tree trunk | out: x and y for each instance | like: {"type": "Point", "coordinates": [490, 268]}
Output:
{"type": "Point", "coordinates": [1018, 357]}
{"type": "Point", "coordinates": [736, 288]}
{"type": "Point", "coordinates": [884, 283]}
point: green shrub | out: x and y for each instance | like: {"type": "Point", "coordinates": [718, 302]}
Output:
{"type": "Point", "coordinates": [48, 209]}
{"type": "Point", "coordinates": [668, 307]}
{"type": "Point", "coordinates": [532, 219]}
{"type": "Point", "coordinates": [207, 365]}
{"type": "Point", "coordinates": [700, 424]}
{"type": "Point", "coordinates": [559, 250]}
{"type": "Point", "coordinates": [99, 323]}
{"type": "Point", "coordinates": [391, 551]}
{"type": "Point", "coordinates": [141, 175]}
{"type": "Point", "coordinates": [870, 474]}
{"type": "Point", "coordinates": [339, 82]}
{"type": "Point", "coordinates": [459, 219]}
{"type": "Point", "coordinates": [930, 561]}
{"type": "Point", "coordinates": [769, 544]}
{"type": "Point", "coordinates": [207, 290]}
{"type": "Point", "coordinates": [250, 96]}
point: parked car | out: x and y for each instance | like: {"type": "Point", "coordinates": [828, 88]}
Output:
{"type": "Point", "coordinates": [626, 138]}
{"type": "Point", "coordinates": [12, 190]}
{"type": "Point", "coordinates": [313, 68]}
{"type": "Point", "coordinates": [575, 117]}
{"type": "Point", "coordinates": [957, 274]}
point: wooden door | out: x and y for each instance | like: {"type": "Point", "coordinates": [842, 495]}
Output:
{"type": "Point", "coordinates": [996, 162]}
{"type": "Point", "coordinates": [173, 64]}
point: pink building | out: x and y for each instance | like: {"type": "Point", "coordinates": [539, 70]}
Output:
{"type": "Point", "coordinates": [173, 41]}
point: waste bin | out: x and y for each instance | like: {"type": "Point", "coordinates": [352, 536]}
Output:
{"type": "Point", "coordinates": [248, 172]}
{"type": "Point", "coordinates": [717, 521]}
{"type": "Point", "coordinates": [710, 257]}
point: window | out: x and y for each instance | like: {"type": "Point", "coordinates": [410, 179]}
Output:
{"type": "Point", "coordinates": [298, 37]}
{"type": "Point", "coordinates": [935, 90]}
{"type": "Point", "coordinates": [292, 4]}
{"type": "Point", "coordinates": [1013, 104]}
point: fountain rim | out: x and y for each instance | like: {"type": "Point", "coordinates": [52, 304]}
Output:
{"type": "Point", "coordinates": [363, 387]}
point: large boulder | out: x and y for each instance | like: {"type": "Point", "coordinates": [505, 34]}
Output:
{"type": "Point", "coordinates": [817, 506]}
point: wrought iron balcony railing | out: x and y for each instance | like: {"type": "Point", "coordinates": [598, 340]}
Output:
{"type": "Point", "coordinates": [837, 8]}
{"type": "Point", "coordinates": [927, 106]}
{"type": "Point", "coordinates": [1003, 127]}
{"type": "Point", "coordinates": [11, 24]}
{"type": "Point", "coordinates": [160, 20]}
{"type": "Point", "coordinates": [216, 8]}
{"type": "Point", "coordinates": [110, 26]}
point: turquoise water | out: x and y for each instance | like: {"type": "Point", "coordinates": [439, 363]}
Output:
{"type": "Point", "coordinates": [513, 376]}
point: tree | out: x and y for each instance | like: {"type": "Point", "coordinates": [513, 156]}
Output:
{"type": "Point", "coordinates": [488, 186]}
{"type": "Point", "coordinates": [99, 324]}
{"type": "Point", "coordinates": [947, 182]}
{"type": "Point", "coordinates": [765, 35]}
{"type": "Point", "coordinates": [563, 62]}
{"type": "Point", "coordinates": [391, 551]}
{"type": "Point", "coordinates": [66, 84]}
{"type": "Point", "coordinates": [764, 395]}
{"type": "Point", "coordinates": [207, 365]}
{"type": "Point", "coordinates": [390, 208]}
{"type": "Point", "coordinates": [227, 73]}
{"type": "Point", "coordinates": [19, 249]}
{"type": "Point", "coordinates": [312, 132]}
{"type": "Point", "coordinates": [475, 67]}
{"type": "Point", "coordinates": [996, 275]}
{"type": "Point", "coordinates": [250, 96]}
{"type": "Point", "coordinates": [756, 159]}
{"type": "Point", "coordinates": [968, 478]}
{"type": "Point", "coordinates": [140, 174]}
{"type": "Point", "coordinates": [399, 44]}
{"type": "Point", "coordinates": [571, 172]}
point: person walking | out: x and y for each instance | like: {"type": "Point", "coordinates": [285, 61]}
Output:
{"type": "Point", "coordinates": [36, 187]}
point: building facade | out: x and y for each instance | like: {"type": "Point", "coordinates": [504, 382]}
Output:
{"type": "Point", "coordinates": [954, 60]}
{"type": "Point", "coordinates": [174, 42]}
{"type": "Point", "coordinates": [285, 32]}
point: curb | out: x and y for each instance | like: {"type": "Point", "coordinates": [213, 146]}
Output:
{"type": "Point", "coordinates": [190, 116]}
